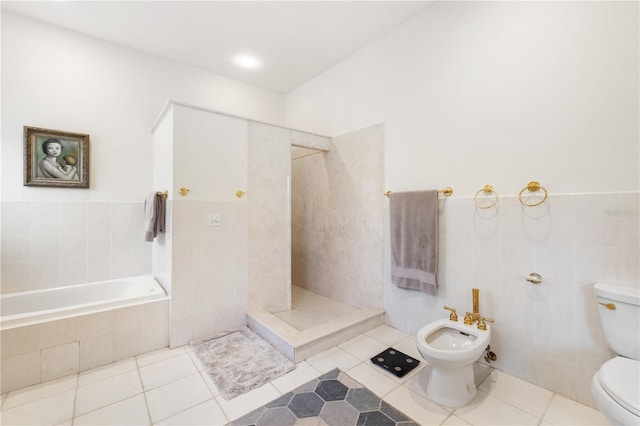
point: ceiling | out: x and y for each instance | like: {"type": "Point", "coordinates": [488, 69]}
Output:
{"type": "Point", "coordinates": [293, 41]}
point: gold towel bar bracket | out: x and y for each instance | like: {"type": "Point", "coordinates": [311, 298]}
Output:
{"type": "Point", "coordinates": [164, 194]}
{"type": "Point", "coordinates": [446, 192]}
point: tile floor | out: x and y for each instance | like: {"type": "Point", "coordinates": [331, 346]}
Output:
{"type": "Point", "coordinates": [167, 387]}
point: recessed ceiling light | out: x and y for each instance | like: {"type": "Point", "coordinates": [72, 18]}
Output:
{"type": "Point", "coordinates": [246, 61]}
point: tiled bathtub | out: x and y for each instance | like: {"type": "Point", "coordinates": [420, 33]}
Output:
{"type": "Point", "coordinates": [76, 328]}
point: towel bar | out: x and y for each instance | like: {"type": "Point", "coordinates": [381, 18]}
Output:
{"type": "Point", "coordinates": [446, 192]}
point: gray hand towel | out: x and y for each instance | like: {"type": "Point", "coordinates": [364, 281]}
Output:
{"type": "Point", "coordinates": [154, 216]}
{"type": "Point", "coordinates": [150, 217]}
{"type": "Point", "coordinates": [414, 240]}
{"type": "Point", "coordinates": [159, 224]}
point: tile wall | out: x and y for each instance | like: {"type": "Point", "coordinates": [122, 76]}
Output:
{"type": "Point", "coordinates": [547, 334]}
{"type": "Point", "coordinates": [337, 219]}
{"type": "Point", "coordinates": [209, 269]}
{"type": "Point", "coordinates": [41, 352]}
{"type": "Point", "coordinates": [270, 216]}
{"type": "Point", "coordinates": [52, 244]}
{"type": "Point", "coordinates": [269, 171]}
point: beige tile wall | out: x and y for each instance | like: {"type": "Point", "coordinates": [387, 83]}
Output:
{"type": "Point", "coordinates": [41, 352]}
{"type": "Point", "coordinates": [209, 269]}
{"type": "Point", "coordinates": [269, 218]}
{"type": "Point", "coordinates": [52, 244]}
{"type": "Point", "coordinates": [337, 219]}
{"type": "Point", "coordinates": [547, 334]}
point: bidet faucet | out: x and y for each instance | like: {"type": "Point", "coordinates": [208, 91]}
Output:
{"type": "Point", "coordinates": [453, 316]}
{"type": "Point", "coordinates": [475, 293]}
{"type": "Point", "coordinates": [482, 322]}
{"type": "Point", "coordinates": [471, 317]}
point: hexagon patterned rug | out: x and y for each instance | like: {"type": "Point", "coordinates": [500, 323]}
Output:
{"type": "Point", "coordinates": [333, 399]}
{"type": "Point", "coordinates": [240, 361]}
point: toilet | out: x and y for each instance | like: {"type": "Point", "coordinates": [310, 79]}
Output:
{"type": "Point", "coordinates": [616, 386]}
{"type": "Point", "coordinates": [450, 349]}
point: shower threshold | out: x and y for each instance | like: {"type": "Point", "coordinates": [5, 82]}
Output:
{"type": "Point", "coordinates": [314, 324]}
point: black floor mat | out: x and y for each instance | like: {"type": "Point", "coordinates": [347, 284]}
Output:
{"type": "Point", "coordinates": [395, 362]}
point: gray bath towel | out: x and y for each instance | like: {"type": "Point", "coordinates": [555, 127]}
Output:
{"type": "Point", "coordinates": [414, 240]}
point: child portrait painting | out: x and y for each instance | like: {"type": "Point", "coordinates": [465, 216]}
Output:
{"type": "Point", "coordinates": [55, 158]}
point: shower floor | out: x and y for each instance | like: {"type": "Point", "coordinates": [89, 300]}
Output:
{"type": "Point", "coordinates": [309, 309]}
{"type": "Point", "coordinates": [314, 324]}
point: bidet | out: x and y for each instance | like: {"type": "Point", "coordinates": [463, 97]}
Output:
{"type": "Point", "coordinates": [450, 349]}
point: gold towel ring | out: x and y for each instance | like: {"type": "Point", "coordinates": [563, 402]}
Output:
{"type": "Point", "coordinates": [533, 186]}
{"type": "Point", "coordinates": [487, 190]}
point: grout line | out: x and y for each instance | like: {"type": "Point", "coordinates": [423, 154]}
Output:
{"type": "Point", "coordinates": [182, 411]}
{"type": "Point", "coordinates": [221, 409]}
{"type": "Point", "coordinates": [544, 413]}
{"type": "Point", "coordinates": [144, 394]}
{"type": "Point", "coordinates": [75, 399]}
{"type": "Point", "coordinates": [446, 418]}
{"type": "Point", "coordinates": [108, 405]}
{"type": "Point", "coordinates": [167, 349]}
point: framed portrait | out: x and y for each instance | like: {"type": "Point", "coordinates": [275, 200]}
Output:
{"type": "Point", "coordinates": [55, 158]}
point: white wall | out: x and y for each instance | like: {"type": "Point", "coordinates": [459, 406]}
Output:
{"type": "Point", "coordinates": [58, 79]}
{"type": "Point", "coordinates": [502, 93]}
{"type": "Point", "coordinates": [493, 92]}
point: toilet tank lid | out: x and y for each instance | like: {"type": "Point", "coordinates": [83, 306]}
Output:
{"type": "Point", "coordinates": [619, 377]}
{"type": "Point", "coordinates": [618, 292]}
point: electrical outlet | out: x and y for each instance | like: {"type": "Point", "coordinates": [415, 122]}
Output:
{"type": "Point", "coordinates": [215, 219]}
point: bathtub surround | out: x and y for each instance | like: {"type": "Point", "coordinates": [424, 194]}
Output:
{"type": "Point", "coordinates": [47, 244]}
{"type": "Point", "coordinates": [38, 353]}
{"type": "Point", "coordinates": [240, 362]}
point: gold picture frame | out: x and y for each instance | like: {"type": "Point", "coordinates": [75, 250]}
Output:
{"type": "Point", "coordinates": [55, 158]}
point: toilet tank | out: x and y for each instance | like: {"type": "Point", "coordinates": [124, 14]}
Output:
{"type": "Point", "coordinates": [621, 326]}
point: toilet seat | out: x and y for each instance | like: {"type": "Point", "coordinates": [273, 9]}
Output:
{"type": "Point", "coordinates": [482, 338]}
{"type": "Point", "coordinates": [619, 379]}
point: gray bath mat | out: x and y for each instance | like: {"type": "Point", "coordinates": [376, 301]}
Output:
{"type": "Point", "coordinates": [240, 361]}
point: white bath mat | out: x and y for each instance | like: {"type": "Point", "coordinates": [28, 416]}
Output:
{"type": "Point", "coordinates": [240, 361]}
